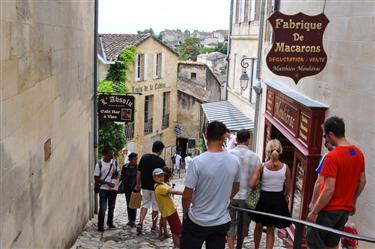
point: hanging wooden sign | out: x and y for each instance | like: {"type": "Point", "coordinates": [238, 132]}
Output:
{"type": "Point", "coordinates": [119, 108]}
{"type": "Point", "coordinates": [297, 49]}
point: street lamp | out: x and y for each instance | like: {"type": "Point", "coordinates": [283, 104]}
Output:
{"type": "Point", "coordinates": [244, 79]}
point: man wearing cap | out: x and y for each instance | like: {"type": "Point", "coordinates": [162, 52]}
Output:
{"type": "Point", "coordinates": [145, 181]}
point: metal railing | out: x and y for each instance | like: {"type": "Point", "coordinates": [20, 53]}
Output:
{"type": "Point", "coordinates": [148, 126]}
{"type": "Point", "coordinates": [165, 121]}
{"type": "Point", "coordinates": [298, 234]}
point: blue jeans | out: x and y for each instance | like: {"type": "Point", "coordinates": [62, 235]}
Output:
{"type": "Point", "coordinates": [106, 197]}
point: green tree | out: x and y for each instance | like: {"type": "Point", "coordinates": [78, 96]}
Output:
{"type": "Point", "coordinates": [222, 47]}
{"type": "Point", "coordinates": [189, 49]}
{"type": "Point", "coordinates": [205, 50]}
{"type": "Point", "coordinates": [111, 133]}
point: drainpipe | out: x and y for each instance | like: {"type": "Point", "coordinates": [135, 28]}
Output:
{"type": "Point", "coordinates": [229, 46]}
{"type": "Point", "coordinates": [95, 116]}
{"type": "Point", "coordinates": [258, 87]}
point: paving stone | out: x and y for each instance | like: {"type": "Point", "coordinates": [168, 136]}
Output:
{"type": "Point", "coordinates": [125, 237]}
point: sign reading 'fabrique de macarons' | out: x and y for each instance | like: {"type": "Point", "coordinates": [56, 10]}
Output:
{"type": "Point", "coordinates": [297, 50]}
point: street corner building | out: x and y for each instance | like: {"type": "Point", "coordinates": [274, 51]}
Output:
{"type": "Point", "coordinates": [46, 112]}
{"type": "Point", "coordinates": [293, 109]}
{"type": "Point", "coordinates": [154, 76]}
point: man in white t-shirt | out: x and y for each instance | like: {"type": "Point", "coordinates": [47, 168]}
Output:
{"type": "Point", "coordinates": [211, 181]}
{"type": "Point", "coordinates": [188, 160]}
{"type": "Point", "coordinates": [177, 162]}
{"type": "Point", "coordinates": [105, 172]}
{"type": "Point", "coordinates": [248, 160]}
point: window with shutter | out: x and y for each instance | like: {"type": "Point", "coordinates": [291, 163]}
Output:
{"type": "Point", "coordinates": [158, 66]}
{"type": "Point", "coordinates": [140, 67]}
{"type": "Point", "coordinates": [252, 10]}
{"type": "Point", "coordinates": [242, 10]}
{"type": "Point", "coordinates": [145, 64]}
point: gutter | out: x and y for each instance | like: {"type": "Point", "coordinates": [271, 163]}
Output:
{"type": "Point", "coordinates": [95, 116]}
{"type": "Point", "coordinates": [258, 86]}
{"type": "Point", "coordinates": [105, 61]}
{"type": "Point", "coordinates": [229, 46]}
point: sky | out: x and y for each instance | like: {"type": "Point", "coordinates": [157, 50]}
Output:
{"type": "Point", "coordinates": [128, 16]}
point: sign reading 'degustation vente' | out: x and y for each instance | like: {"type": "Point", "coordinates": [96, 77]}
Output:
{"type": "Point", "coordinates": [297, 50]}
{"type": "Point", "coordinates": [119, 108]}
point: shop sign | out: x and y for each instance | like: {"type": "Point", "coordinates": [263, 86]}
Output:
{"type": "Point", "coordinates": [297, 50]}
{"type": "Point", "coordinates": [119, 108]}
{"type": "Point", "coordinates": [286, 113]}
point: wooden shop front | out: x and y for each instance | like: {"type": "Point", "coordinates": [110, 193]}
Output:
{"type": "Point", "coordinates": [296, 121]}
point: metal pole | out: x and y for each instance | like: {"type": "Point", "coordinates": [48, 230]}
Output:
{"type": "Point", "coordinates": [239, 229]}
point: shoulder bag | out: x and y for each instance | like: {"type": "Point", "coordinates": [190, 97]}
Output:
{"type": "Point", "coordinates": [254, 195]}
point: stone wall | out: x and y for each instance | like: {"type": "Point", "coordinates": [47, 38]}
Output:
{"type": "Point", "coordinates": [185, 70]}
{"type": "Point", "coordinates": [213, 86]}
{"type": "Point", "coordinates": [189, 114]}
{"type": "Point", "coordinates": [46, 71]}
{"type": "Point", "coordinates": [346, 85]}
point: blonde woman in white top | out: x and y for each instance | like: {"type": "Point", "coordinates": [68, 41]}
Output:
{"type": "Point", "coordinates": [275, 177]}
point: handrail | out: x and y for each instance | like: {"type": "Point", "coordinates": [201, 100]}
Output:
{"type": "Point", "coordinates": [307, 223]}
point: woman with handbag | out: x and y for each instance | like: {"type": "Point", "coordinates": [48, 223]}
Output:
{"type": "Point", "coordinates": [275, 178]}
{"type": "Point", "coordinates": [128, 182]}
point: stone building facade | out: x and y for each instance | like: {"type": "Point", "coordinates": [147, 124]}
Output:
{"type": "Point", "coordinates": [243, 43]}
{"type": "Point", "coordinates": [46, 110]}
{"type": "Point", "coordinates": [344, 88]}
{"type": "Point", "coordinates": [196, 84]}
{"type": "Point", "coordinates": [154, 77]}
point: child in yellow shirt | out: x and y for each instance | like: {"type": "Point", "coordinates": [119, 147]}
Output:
{"type": "Point", "coordinates": [167, 208]}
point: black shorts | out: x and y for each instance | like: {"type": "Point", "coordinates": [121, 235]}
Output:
{"type": "Point", "coordinates": [317, 239]}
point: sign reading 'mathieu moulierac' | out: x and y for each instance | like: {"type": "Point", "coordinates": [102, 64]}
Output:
{"type": "Point", "coordinates": [297, 50]}
{"type": "Point", "coordinates": [119, 108]}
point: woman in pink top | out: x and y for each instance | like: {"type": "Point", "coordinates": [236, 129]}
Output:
{"type": "Point", "coordinates": [275, 181]}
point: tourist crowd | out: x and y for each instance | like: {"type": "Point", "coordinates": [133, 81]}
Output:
{"type": "Point", "coordinates": [232, 176]}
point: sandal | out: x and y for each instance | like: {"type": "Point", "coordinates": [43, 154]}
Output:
{"type": "Point", "coordinates": [139, 229]}
{"type": "Point", "coordinates": [164, 237]}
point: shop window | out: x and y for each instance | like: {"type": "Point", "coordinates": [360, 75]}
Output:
{"type": "Point", "coordinates": [297, 198]}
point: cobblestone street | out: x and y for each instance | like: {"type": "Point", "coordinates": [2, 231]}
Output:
{"type": "Point", "coordinates": [125, 237]}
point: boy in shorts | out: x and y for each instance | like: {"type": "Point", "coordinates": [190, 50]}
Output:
{"type": "Point", "coordinates": [167, 208]}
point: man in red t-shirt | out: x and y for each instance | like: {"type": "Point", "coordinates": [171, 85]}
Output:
{"type": "Point", "coordinates": [344, 180]}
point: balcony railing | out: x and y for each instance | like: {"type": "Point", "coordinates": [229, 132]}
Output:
{"type": "Point", "coordinates": [148, 126]}
{"type": "Point", "coordinates": [165, 121]}
{"type": "Point", "coordinates": [129, 131]}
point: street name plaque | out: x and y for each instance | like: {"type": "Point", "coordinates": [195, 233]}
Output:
{"type": "Point", "coordinates": [297, 50]}
{"type": "Point", "coordinates": [119, 108]}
